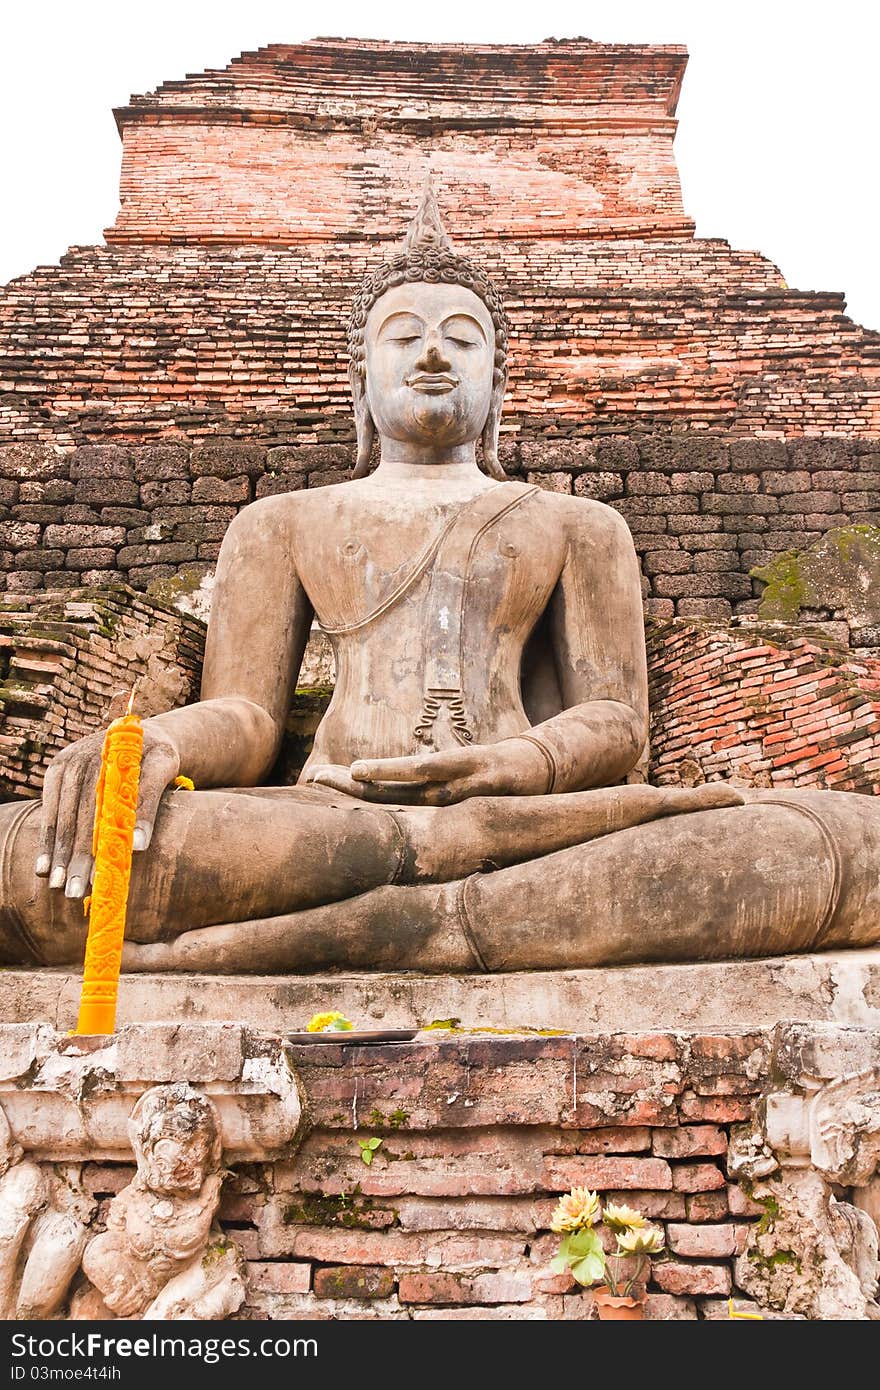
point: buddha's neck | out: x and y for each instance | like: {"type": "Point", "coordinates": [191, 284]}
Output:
{"type": "Point", "coordinates": [453, 471]}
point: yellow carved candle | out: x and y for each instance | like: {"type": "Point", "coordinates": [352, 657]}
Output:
{"type": "Point", "coordinates": [115, 812]}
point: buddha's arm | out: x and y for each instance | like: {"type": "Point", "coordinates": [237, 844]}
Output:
{"type": "Point", "coordinates": [260, 620]}
{"type": "Point", "coordinates": [258, 630]}
{"type": "Point", "coordinates": [598, 643]}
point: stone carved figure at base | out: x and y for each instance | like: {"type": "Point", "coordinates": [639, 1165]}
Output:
{"type": "Point", "coordinates": [811, 1253]}
{"type": "Point", "coordinates": [161, 1255]}
{"type": "Point", "coordinates": [462, 808]}
{"type": "Point", "coordinates": [42, 1233]}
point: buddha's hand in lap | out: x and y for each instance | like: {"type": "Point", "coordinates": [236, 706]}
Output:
{"type": "Point", "coordinates": [68, 811]}
{"type": "Point", "coordinates": [513, 767]}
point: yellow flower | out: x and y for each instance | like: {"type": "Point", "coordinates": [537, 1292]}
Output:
{"type": "Point", "coordinates": [328, 1023]}
{"type": "Point", "coordinates": [636, 1242]}
{"type": "Point", "coordinates": [623, 1218]}
{"type": "Point", "coordinates": [578, 1208]}
{"type": "Point", "coordinates": [184, 784]}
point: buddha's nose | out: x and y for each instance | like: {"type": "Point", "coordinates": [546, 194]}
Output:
{"type": "Point", "coordinates": [433, 359]}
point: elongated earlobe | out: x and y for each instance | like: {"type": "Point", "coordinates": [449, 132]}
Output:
{"type": "Point", "coordinates": [490, 434]}
{"type": "Point", "coordinates": [366, 430]}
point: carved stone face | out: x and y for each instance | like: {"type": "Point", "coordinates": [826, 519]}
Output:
{"type": "Point", "coordinates": [430, 352]}
{"type": "Point", "coordinates": [177, 1166]}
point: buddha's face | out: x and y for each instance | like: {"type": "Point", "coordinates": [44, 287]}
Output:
{"type": "Point", "coordinates": [430, 351]}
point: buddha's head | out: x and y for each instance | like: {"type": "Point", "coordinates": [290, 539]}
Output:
{"type": "Point", "coordinates": [428, 348]}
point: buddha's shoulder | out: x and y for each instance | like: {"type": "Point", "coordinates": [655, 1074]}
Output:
{"type": "Point", "coordinates": [270, 513]}
{"type": "Point", "coordinates": [582, 515]}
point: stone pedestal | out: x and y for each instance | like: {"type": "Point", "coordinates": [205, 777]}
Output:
{"type": "Point", "coordinates": [838, 987]}
{"type": "Point", "coordinates": [754, 1146]}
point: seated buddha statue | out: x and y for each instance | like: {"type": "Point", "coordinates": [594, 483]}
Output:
{"type": "Point", "coordinates": [465, 805]}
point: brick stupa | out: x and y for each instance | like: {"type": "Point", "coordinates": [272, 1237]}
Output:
{"type": "Point", "coordinates": [253, 197]}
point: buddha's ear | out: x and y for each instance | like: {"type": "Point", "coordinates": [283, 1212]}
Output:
{"type": "Point", "coordinates": [366, 430]}
{"type": "Point", "coordinates": [491, 431]}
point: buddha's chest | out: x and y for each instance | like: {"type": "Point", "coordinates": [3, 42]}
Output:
{"type": "Point", "coordinates": [488, 566]}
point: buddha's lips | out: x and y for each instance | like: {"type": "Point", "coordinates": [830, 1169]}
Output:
{"type": "Point", "coordinates": [432, 384]}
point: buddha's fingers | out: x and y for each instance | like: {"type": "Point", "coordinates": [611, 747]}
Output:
{"type": "Point", "coordinates": [712, 796]}
{"type": "Point", "coordinates": [67, 814]}
{"type": "Point", "coordinates": [79, 870]}
{"type": "Point", "coordinates": [159, 767]}
{"type": "Point", "coordinates": [391, 793]}
{"type": "Point", "coordinates": [51, 794]}
{"type": "Point", "coordinates": [423, 767]}
{"type": "Point", "coordinates": [339, 779]}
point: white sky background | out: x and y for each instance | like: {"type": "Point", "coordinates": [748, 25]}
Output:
{"type": "Point", "coordinates": [779, 116]}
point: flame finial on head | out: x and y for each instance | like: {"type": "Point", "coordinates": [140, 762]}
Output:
{"type": "Point", "coordinates": [426, 228]}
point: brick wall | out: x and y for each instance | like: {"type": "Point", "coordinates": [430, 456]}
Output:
{"type": "Point", "coordinates": [293, 144]}
{"type": "Point", "coordinates": [68, 663]}
{"type": "Point", "coordinates": [131, 343]}
{"type": "Point", "coordinates": [703, 510]}
{"type": "Point", "coordinates": [480, 1135]}
{"type": "Point", "coordinates": [198, 360]}
{"type": "Point", "coordinates": [762, 707]}
{"type": "Point", "coordinates": [759, 704]}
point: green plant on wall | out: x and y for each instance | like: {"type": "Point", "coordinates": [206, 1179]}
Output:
{"type": "Point", "coordinates": [368, 1149]}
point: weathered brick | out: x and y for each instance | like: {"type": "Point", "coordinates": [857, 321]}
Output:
{"type": "Point", "coordinates": [83, 536]}
{"type": "Point", "coordinates": [221, 459]}
{"type": "Point", "coordinates": [160, 463]}
{"type": "Point", "coordinates": [100, 461]}
{"type": "Point", "coordinates": [399, 1248]}
{"type": "Point", "coordinates": [707, 1206]}
{"type": "Point", "coordinates": [697, 1177]}
{"type": "Point", "coordinates": [664, 1307]}
{"type": "Point", "coordinates": [689, 1141]}
{"type": "Point", "coordinates": [273, 485]}
{"type": "Point", "coordinates": [718, 1109]}
{"type": "Point", "coordinates": [508, 1286]}
{"type": "Point", "coordinates": [96, 557]}
{"type": "Point", "coordinates": [353, 1281]}
{"type": "Point", "coordinates": [285, 1276]}
{"type": "Point", "coordinates": [601, 486]}
{"type": "Point", "coordinates": [42, 514]}
{"type": "Point", "coordinates": [234, 490]}
{"type": "Point", "coordinates": [550, 482]}
{"type": "Point", "coordinates": [679, 1278]}
{"type": "Point", "coordinates": [20, 534]}
{"type": "Point", "coordinates": [615, 1139]}
{"type": "Point", "coordinates": [39, 559]}
{"type": "Point", "coordinates": [106, 491]}
{"type": "Point", "coordinates": [706, 1241]}
{"type": "Point", "coordinates": [31, 462]}
{"type": "Point", "coordinates": [473, 1214]}
{"type": "Point", "coordinates": [173, 492]}
{"type": "Point", "coordinates": [173, 553]}
{"type": "Point", "coordinates": [601, 1173]}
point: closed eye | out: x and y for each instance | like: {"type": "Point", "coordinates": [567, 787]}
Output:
{"type": "Point", "coordinates": [463, 342]}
